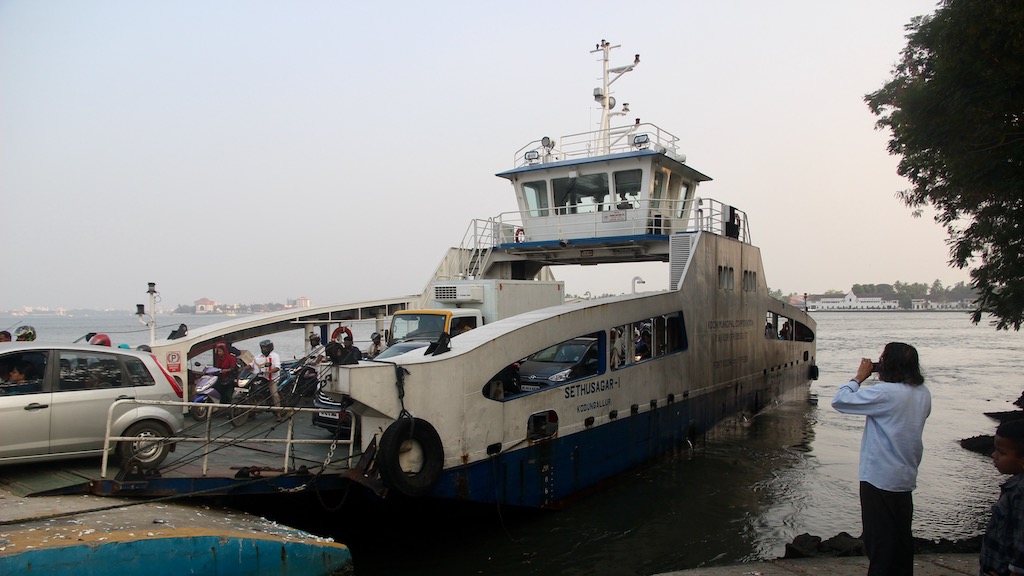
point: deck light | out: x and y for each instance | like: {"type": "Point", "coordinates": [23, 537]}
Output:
{"type": "Point", "coordinates": [149, 319]}
{"type": "Point", "coordinates": [547, 143]}
{"type": "Point", "coordinates": [532, 156]}
{"type": "Point", "coordinates": [641, 141]}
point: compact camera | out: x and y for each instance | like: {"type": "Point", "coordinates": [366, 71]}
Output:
{"type": "Point", "coordinates": [874, 366]}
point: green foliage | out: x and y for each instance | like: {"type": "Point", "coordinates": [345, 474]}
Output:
{"type": "Point", "coordinates": [955, 107]}
{"type": "Point", "coordinates": [884, 290]}
{"type": "Point", "coordinates": [905, 292]}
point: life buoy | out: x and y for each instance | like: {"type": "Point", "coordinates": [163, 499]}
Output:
{"type": "Point", "coordinates": [410, 457]}
{"type": "Point", "coordinates": [338, 331]}
{"type": "Point", "coordinates": [520, 235]}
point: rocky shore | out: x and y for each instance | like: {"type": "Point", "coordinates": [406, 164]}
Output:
{"type": "Point", "coordinates": [842, 544]}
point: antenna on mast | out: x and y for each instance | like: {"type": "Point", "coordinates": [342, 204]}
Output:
{"type": "Point", "coordinates": [604, 98]}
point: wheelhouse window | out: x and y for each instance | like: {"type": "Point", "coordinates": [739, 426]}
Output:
{"type": "Point", "coordinates": [536, 196]}
{"type": "Point", "coordinates": [659, 190]}
{"type": "Point", "coordinates": [686, 204]}
{"type": "Point", "coordinates": [581, 194]}
{"type": "Point", "coordinates": [627, 188]}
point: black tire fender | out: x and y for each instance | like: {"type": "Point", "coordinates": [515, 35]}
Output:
{"type": "Point", "coordinates": [410, 457]}
{"type": "Point", "coordinates": [812, 372]}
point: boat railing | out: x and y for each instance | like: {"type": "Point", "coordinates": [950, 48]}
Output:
{"type": "Point", "coordinates": [208, 440]}
{"type": "Point", "coordinates": [587, 144]}
{"type": "Point", "coordinates": [475, 248]}
{"type": "Point", "coordinates": [661, 217]}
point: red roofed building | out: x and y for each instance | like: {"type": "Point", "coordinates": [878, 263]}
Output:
{"type": "Point", "coordinates": [204, 306]}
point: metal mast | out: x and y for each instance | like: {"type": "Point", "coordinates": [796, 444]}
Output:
{"type": "Point", "coordinates": [602, 96]}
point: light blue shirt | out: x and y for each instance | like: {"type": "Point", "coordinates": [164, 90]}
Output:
{"type": "Point", "coordinates": [891, 447]}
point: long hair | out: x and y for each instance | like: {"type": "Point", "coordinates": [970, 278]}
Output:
{"type": "Point", "coordinates": [900, 363]}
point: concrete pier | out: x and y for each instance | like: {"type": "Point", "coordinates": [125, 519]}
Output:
{"type": "Point", "coordinates": [85, 534]}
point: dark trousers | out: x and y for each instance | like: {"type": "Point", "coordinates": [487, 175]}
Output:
{"type": "Point", "coordinates": [888, 541]}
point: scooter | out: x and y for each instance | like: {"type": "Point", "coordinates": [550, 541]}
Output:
{"type": "Point", "coordinates": [211, 388]}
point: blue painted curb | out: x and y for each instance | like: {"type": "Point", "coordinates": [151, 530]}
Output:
{"type": "Point", "coordinates": [223, 556]}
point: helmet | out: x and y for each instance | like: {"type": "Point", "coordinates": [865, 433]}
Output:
{"type": "Point", "coordinates": [266, 346]}
{"type": "Point", "coordinates": [375, 336]}
{"type": "Point", "coordinates": [100, 340]}
{"type": "Point", "coordinates": [314, 338]}
{"type": "Point", "coordinates": [25, 333]}
{"type": "Point", "coordinates": [143, 348]}
{"type": "Point", "coordinates": [125, 346]}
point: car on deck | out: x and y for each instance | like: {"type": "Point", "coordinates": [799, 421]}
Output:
{"type": "Point", "coordinates": [55, 400]}
{"type": "Point", "coordinates": [569, 360]}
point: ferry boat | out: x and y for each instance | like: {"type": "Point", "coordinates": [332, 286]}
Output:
{"type": "Point", "coordinates": [642, 374]}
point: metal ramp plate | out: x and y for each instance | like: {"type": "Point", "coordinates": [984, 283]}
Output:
{"type": "Point", "coordinates": [47, 479]}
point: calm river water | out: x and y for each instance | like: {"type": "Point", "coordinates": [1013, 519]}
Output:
{"type": "Point", "coordinates": [743, 495]}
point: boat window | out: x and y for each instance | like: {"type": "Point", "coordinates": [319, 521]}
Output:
{"type": "Point", "coordinates": [749, 281]}
{"type": "Point", "coordinates": [674, 200]}
{"type": "Point", "coordinates": [659, 190]}
{"type": "Point", "coordinates": [504, 384]}
{"type": "Point", "coordinates": [687, 203]}
{"type": "Point", "coordinates": [542, 425]}
{"type": "Point", "coordinates": [536, 195]}
{"type": "Point", "coordinates": [726, 277]}
{"type": "Point", "coordinates": [802, 332]}
{"type": "Point", "coordinates": [771, 326]}
{"type": "Point", "coordinates": [567, 361]}
{"type": "Point", "coordinates": [627, 188]}
{"type": "Point", "coordinates": [580, 195]}
{"type": "Point", "coordinates": [648, 338]}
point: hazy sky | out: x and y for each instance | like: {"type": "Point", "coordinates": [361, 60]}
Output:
{"type": "Point", "coordinates": [256, 151]}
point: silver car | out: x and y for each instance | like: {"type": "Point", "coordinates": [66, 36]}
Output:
{"type": "Point", "coordinates": [54, 401]}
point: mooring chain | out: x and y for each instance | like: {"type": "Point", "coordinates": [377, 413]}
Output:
{"type": "Point", "coordinates": [323, 467]}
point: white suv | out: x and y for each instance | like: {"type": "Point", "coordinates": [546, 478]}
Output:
{"type": "Point", "coordinates": [54, 401]}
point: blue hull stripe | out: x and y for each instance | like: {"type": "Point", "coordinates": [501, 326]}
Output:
{"type": "Point", "coordinates": [549, 471]}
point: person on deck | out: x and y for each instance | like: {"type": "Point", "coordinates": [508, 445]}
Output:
{"type": "Point", "coordinates": [268, 365]}
{"type": "Point", "coordinates": [225, 360]}
{"type": "Point", "coordinates": [377, 345]}
{"type": "Point", "coordinates": [349, 353]}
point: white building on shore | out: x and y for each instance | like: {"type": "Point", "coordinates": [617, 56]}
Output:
{"type": "Point", "coordinates": [852, 302]}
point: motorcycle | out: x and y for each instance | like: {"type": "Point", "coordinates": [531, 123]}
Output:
{"type": "Point", "coordinates": [299, 382]}
{"type": "Point", "coordinates": [251, 390]}
{"type": "Point", "coordinates": [211, 388]}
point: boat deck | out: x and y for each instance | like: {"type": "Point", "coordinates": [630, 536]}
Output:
{"type": "Point", "coordinates": [255, 458]}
